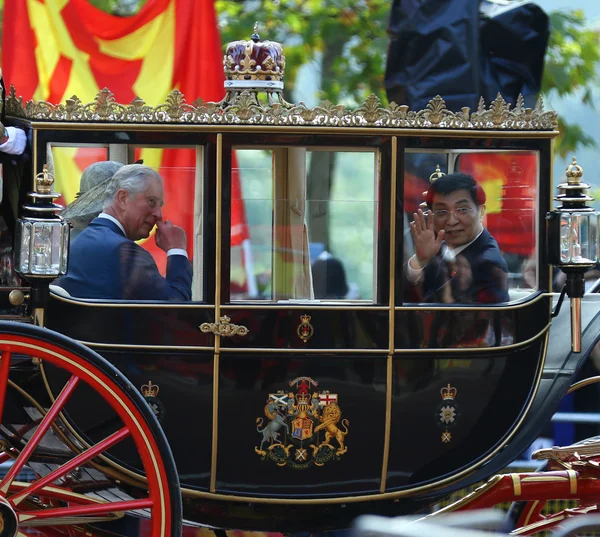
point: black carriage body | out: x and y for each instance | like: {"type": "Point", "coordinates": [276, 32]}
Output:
{"type": "Point", "coordinates": [428, 395]}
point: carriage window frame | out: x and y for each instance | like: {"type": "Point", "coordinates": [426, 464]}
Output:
{"type": "Point", "coordinates": [198, 243]}
{"type": "Point", "coordinates": [375, 202]}
{"type": "Point", "coordinates": [516, 294]}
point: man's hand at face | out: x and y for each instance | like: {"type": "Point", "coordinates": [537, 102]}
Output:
{"type": "Point", "coordinates": [169, 236]}
{"type": "Point", "coordinates": [427, 244]}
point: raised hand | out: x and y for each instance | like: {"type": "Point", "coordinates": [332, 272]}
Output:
{"type": "Point", "coordinates": [426, 243]}
{"type": "Point", "coordinates": [169, 236]}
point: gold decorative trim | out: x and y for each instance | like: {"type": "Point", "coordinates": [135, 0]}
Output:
{"type": "Point", "coordinates": [274, 306]}
{"type": "Point", "coordinates": [572, 481]}
{"type": "Point", "coordinates": [215, 425]}
{"type": "Point", "coordinates": [488, 350]}
{"type": "Point", "coordinates": [224, 328]}
{"type": "Point", "coordinates": [583, 383]}
{"type": "Point", "coordinates": [545, 479]}
{"type": "Point", "coordinates": [98, 345]}
{"type": "Point", "coordinates": [516, 484]}
{"type": "Point", "coordinates": [392, 264]}
{"type": "Point", "coordinates": [531, 508]}
{"type": "Point", "coordinates": [388, 422]}
{"type": "Point", "coordinates": [288, 129]}
{"type": "Point", "coordinates": [218, 233]}
{"type": "Point", "coordinates": [305, 330]}
{"type": "Point", "coordinates": [528, 530]}
{"type": "Point", "coordinates": [97, 303]}
{"type": "Point", "coordinates": [267, 350]}
{"type": "Point", "coordinates": [243, 108]}
{"type": "Point", "coordinates": [413, 306]}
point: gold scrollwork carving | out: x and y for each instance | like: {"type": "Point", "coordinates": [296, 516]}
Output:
{"type": "Point", "coordinates": [243, 107]}
{"type": "Point", "coordinates": [224, 328]}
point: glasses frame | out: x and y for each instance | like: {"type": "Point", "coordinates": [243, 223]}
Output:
{"type": "Point", "coordinates": [459, 212]}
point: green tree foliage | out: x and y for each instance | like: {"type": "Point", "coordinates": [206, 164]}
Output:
{"type": "Point", "coordinates": [350, 38]}
{"type": "Point", "coordinates": [346, 39]}
{"type": "Point", "coordinates": [570, 69]}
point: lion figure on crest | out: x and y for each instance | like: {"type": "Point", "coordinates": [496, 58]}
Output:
{"type": "Point", "coordinates": [330, 417]}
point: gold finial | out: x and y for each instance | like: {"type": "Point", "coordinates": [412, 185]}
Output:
{"type": "Point", "coordinates": [44, 181]}
{"type": "Point", "coordinates": [436, 174]}
{"type": "Point", "coordinates": [574, 173]}
{"type": "Point", "coordinates": [255, 37]}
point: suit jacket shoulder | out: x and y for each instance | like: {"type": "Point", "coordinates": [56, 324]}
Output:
{"type": "Point", "coordinates": [103, 263]}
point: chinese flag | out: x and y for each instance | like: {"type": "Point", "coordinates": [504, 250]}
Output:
{"type": "Point", "coordinates": [54, 49]}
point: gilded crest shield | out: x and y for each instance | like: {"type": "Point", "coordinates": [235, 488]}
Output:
{"type": "Point", "coordinates": [303, 426]}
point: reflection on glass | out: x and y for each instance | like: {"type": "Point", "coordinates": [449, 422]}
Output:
{"type": "Point", "coordinates": [310, 236]}
{"type": "Point", "coordinates": [182, 172]}
{"type": "Point", "coordinates": [508, 217]}
{"type": "Point", "coordinates": [42, 248]}
{"type": "Point", "coordinates": [578, 238]}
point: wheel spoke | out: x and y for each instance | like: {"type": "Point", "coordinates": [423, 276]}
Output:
{"type": "Point", "coordinates": [45, 424]}
{"type": "Point", "coordinates": [4, 371]}
{"type": "Point", "coordinates": [81, 459]}
{"type": "Point", "coordinates": [76, 492]}
{"type": "Point", "coordinates": [53, 516]}
{"type": "Point", "coordinates": [5, 456]}
{"type": "Point", "coordinates": [57, 493]}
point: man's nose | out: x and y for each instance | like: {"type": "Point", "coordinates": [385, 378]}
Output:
{"type": "Point", "coordinates": [157, 213]}
{"type": "Point", "coordinates": [452, 218]}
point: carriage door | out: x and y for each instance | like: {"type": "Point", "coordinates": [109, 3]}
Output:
{"type": "Point", "coordinates": [303, 310]}
{"type": "Point", "coordinates": [158, 345]}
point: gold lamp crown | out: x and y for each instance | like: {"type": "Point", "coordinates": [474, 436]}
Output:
{"type": "Point", "coordinates": [44, 181]}
{"type": "Point", "coordinates": [254, 63]}
{"type": "Point", "coordinates": [574, 172]}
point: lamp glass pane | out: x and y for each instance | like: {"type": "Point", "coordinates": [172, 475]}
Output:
{"type": "Point", "coordinates": [23, 239]}
{"type": "Point", "coordinates": [46, 258]}
{"type": "Point", "coordinates": [65, 248]}
{"type": "Point", "coordinates": [565, 238]}
{"type": "Point", "coordinates": [582, 248]}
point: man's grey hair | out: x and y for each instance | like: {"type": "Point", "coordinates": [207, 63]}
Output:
{"type": "Point", "coordinates": [132, 178]}
{"type": "Point", "coordinates": [97, 173]}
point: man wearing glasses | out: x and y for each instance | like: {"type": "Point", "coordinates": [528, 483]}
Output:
{"type": "Point", "coordinates": [456, 259]}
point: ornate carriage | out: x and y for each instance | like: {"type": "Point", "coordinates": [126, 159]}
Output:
{"type": "Point", "coordinates": [262, 404]}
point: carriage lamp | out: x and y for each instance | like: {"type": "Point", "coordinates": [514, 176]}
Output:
{"type": "Point", "coordinates": [42, 236]}
{"type": "Point", "coordinates": [573, 241]}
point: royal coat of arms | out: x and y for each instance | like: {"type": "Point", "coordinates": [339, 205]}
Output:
{"type": "Point", "coordinates": [302, 428]}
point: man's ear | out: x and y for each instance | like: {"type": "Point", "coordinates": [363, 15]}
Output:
{"type": "Point", "coordinates": [121, 197]}
{"type": "Point", "coordinates": [482, 211]}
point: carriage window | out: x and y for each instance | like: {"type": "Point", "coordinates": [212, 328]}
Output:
{"type": "Point", "coordinates": [303, 225]}
{"type": "Point", "coordinates": [488, 250]}
{"type": "Point", "coordinates": [181, 170]}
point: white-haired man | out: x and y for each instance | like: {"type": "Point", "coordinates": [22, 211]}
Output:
{"type": "Point", "coordinates": [104, 260]}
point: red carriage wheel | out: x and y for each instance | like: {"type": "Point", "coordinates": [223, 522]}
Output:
{"type": "Point", "coordinates": [67, 493]}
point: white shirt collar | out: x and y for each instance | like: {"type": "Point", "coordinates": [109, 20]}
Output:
{"type": "Point", "coordinates": [113, 219]}
{"type": "Point", "coordinates": [451, 253]}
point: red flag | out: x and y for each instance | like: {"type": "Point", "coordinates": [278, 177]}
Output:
{"type": "Point", "coordinates": [70, 47]}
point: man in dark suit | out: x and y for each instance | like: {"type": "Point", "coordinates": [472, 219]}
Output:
{"type": "Point", "coordinates": [456, 259]}
{"type": "Point", "coordinates": [104, 260]}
